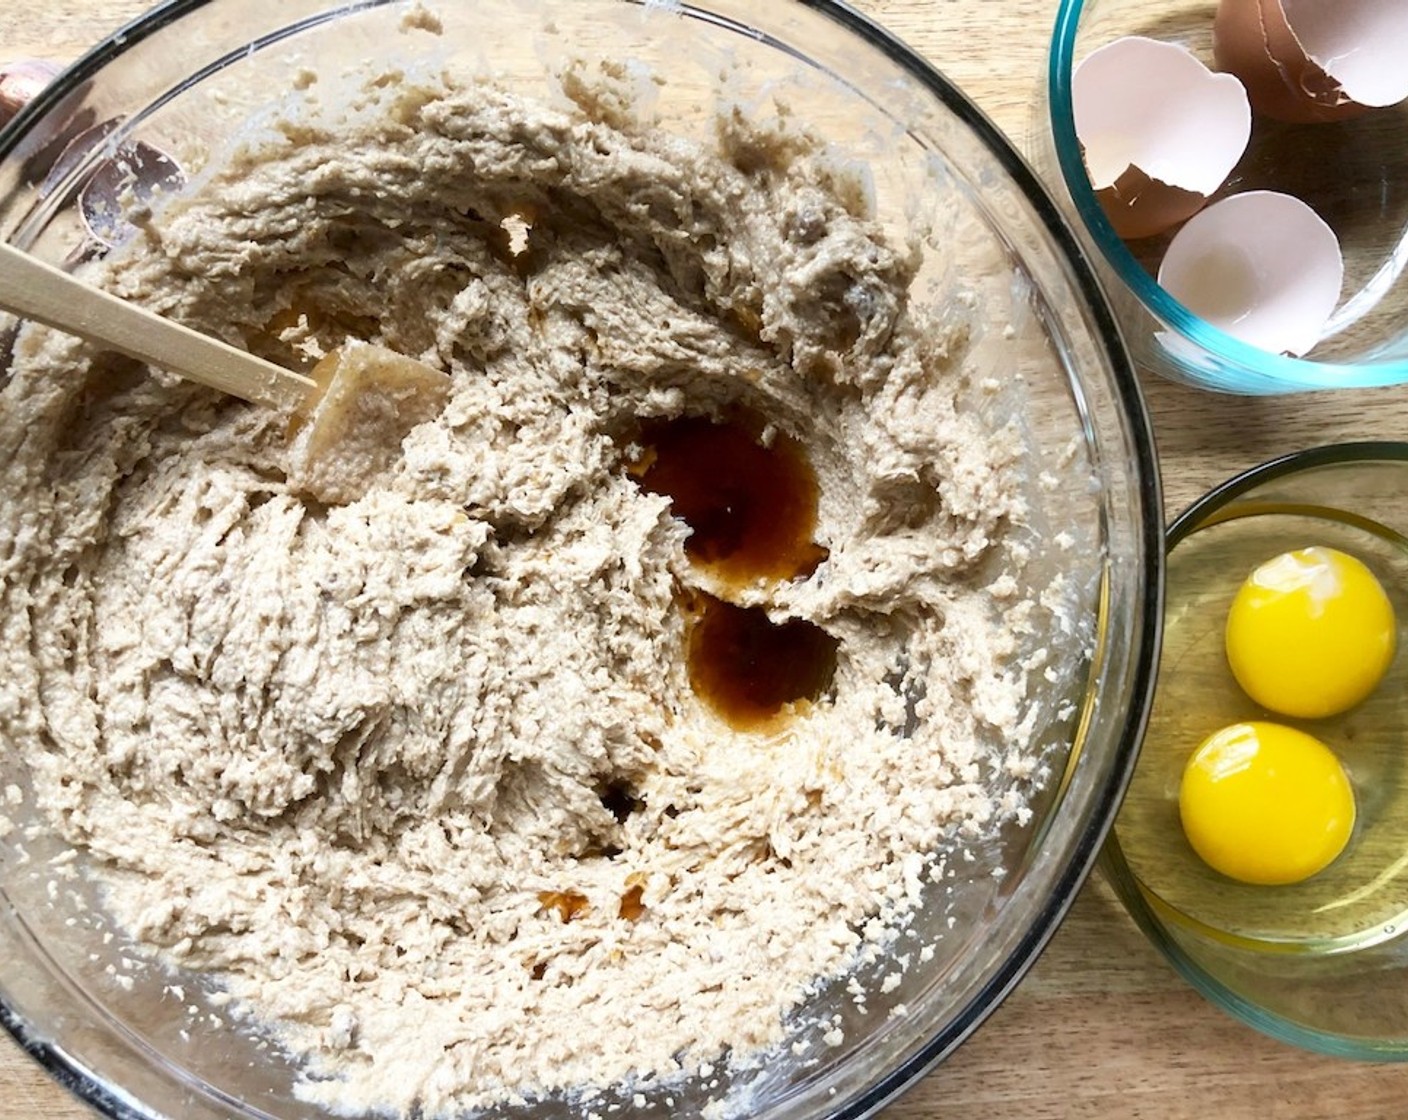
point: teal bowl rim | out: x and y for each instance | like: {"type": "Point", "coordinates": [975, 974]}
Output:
{"type": "Point", "coordinates": [1247, 369]}
{"type": "Point", "coordinates": [1116, 869]}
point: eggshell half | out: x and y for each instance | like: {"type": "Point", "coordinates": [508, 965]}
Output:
{"type": "Point", "coordinates": [1159, 131]}
{"type": "Point", "coordinates": [1362, 45]}
{"type": "Point", "coordinates": [1261, 266]}
{"type": "Point", "coordinates": [1306, 61]}
{"type": "Point", "coordinates": [1250, 38]}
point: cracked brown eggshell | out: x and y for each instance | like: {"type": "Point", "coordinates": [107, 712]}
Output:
{"type": "Point", "coordinates": [1312, 61]}
{"type": "Point", "coordinates": [1261, 266]}
{"type": "Point", "coordinates": [1159, 132]}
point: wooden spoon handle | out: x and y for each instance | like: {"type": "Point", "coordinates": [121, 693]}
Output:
{"type": "Point", "coordinates": [37, 290]}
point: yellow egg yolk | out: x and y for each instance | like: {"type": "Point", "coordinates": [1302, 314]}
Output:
{"type": "Point", "coordinates": [1266, 804]}
{"type": "Point", "coordinates": [1310, 633]}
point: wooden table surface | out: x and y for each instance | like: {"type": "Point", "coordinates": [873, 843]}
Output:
{"type": "Point", "coordinates": [1101, 1027]}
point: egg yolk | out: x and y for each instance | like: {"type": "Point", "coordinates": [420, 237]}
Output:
{"type": "Point", "coordinates": [1266, 804]}
{"type": "Point", "coordinates": [1310, 633]}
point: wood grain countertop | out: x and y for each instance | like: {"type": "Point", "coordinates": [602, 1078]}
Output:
{"type": "Point", "coordinates": [1101, 1027]}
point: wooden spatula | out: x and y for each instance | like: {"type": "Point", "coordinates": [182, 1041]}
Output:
{"type": "Point", "coordinates": [359, 403]}
{"type": "Point", "coordinates": [37, 290]}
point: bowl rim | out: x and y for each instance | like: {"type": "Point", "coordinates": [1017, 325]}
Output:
{"type": "Point", "coordinates": [1252, 369]}
{"type": "Point", "coordinates": [1131, 894]}
{"type": "Point", "coordinates": [1145, 658]}
{"type": "Point", "coordinates": [1293, 462]}
{"type": "Point", "coordinates": [1134, 896]}
{"type": "Point", "coordinates": [1147, 497]}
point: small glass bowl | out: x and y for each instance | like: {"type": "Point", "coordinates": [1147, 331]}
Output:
{"type": "Point", "coordinates": [1353, 173]}
{"type": "Point", "coordinates": [1322, 963]}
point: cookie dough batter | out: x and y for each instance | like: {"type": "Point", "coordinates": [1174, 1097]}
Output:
{"type": "Point", "coordinates": [419, 777]}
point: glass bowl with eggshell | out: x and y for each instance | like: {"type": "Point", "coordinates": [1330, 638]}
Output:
{"type": "Point", "coordinates": [1281, 269]}
{"type": "Point", "coordinates": [159, 105]}
{"type": "Point", "coordinates": [1300, 930]}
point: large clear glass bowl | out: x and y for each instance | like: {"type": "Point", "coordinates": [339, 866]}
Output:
{"type": "Point", "coordinates": [191, 74]}
{"type": "Point", "coordinates": [1351, 172]}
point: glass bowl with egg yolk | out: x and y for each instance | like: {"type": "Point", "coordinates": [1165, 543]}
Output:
{"type": "Point", "coordinates": [1263, 843]}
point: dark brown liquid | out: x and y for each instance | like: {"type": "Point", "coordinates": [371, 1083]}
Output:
{"type": "Point", "coordinates": [568, 904]}
{"type": "Point", "coordinates": [751, 509]}
{"type": "Point", "coordinates": [748, 668]}
{"type": "Point", "coordinates": [632, 904]}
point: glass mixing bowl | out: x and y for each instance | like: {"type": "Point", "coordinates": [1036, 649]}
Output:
{"type": "Point", "coordinates": [183, 80]}
{"type": "Point", "coordinates": [1350, 172]}
{"type": "Point", "coordinates": [1319, 963]}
